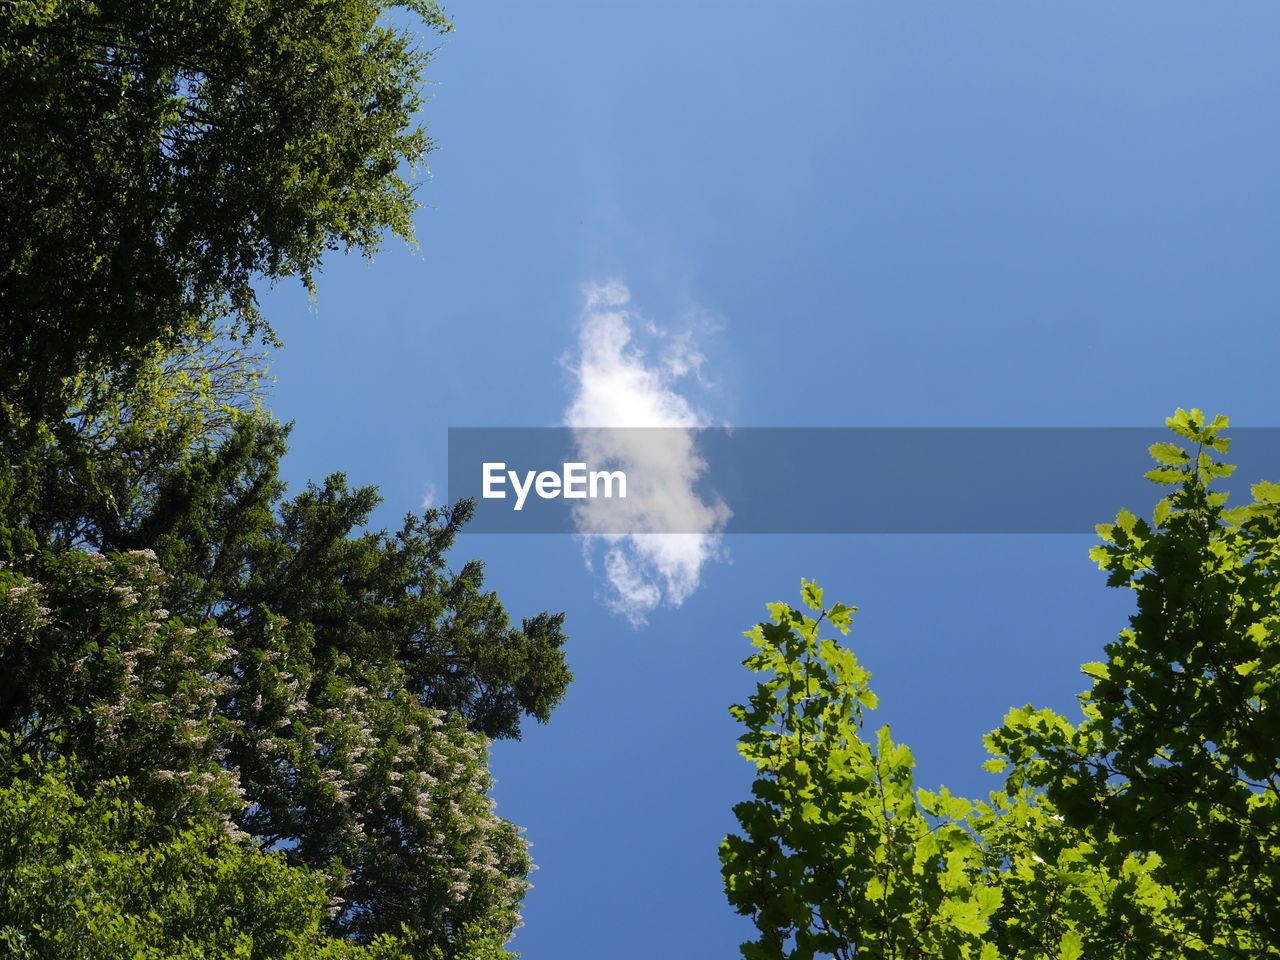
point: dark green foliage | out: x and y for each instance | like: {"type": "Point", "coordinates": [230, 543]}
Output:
{"type": "Point", "coordinates": [236, 724]}
{"type": "Point", "coordinates": [159, 156]}
{"type": "Point", "coordinates": [186, 466]}
{"type": "Point", "coordinates": [378, 596]}
{"type": "Point", "coordinates": [263, 663]}
{"type": "Point", "coordinates": [266, 662]}
{"type": "Point", "coordinates": [329, 759]}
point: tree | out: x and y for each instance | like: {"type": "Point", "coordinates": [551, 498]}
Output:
{"type": "Point", "coordinates": [184, 461]}
{"type": "Point", "coordinates": [331, 762]}
{"type": "Point", "coordinates": [92, 473]}
{"type": "Point", "coordinates": [216, 693]}
{"type": "Point", "coordinates": [1147, 831]}
{"type": "Point", "coordinates": [97, 878]}
{"type": "Point", "coordinates": [838, 857]}
{"type": "Point", "coordinates": [170, 619]}
{"type": "Point", "coordinates": [1179, 749]}
{"type": "Point", "coordinates": [159, 157]}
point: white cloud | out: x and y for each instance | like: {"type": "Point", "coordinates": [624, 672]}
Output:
{"type": "Point", "coordinates": [430, 497]}
{"type": "Point", "coordinates": [619, 384]}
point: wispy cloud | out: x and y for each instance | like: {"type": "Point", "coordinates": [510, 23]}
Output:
{"type": "Point", "coordinates": [430, 496]}
{"type": "Point", "coordinates": [618, 383]}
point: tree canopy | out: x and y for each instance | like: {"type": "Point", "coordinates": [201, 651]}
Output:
{"type": "Point", "coordinates": [160, 157]}
{"type": "Point", "coordinates": [95, 877]}
{"type": "Point", "coordinates": [234, 722]}
{"type": "Point", "coordinates": [261, 662]}
{"type": "Point", "coordinates": [1147, 830]}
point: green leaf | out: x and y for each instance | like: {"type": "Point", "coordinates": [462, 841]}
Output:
{"type": "Point", "coordinates": [1266, 492]}
{"type": "Point", "coordinates": [1099, 671]}
{"type": "Point", "coordinates": [1166, 475]}
{"type": "Point", "coordinates": [1169, 454]}
{"type": "Point", "coordinates": [811, 593]}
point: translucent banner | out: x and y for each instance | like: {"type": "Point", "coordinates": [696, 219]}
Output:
{"type": "Point", "coordinates": [820, 479]}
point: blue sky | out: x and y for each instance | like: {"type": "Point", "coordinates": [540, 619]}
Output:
{"type": "Point", "coordinates": [857, 214]}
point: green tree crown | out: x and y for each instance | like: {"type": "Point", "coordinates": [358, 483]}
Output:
{"type": "Point", "coordinates": [1148, 830]}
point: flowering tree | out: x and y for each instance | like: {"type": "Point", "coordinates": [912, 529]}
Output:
{"type": "Point", "coordinates": [320, 690]}
{"type": "Point", "coordinates": [329, 764]}
{"type": "Point", "coordinates": [204, 683]}
{"type": "Point", "coordinates": [185, 462]}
